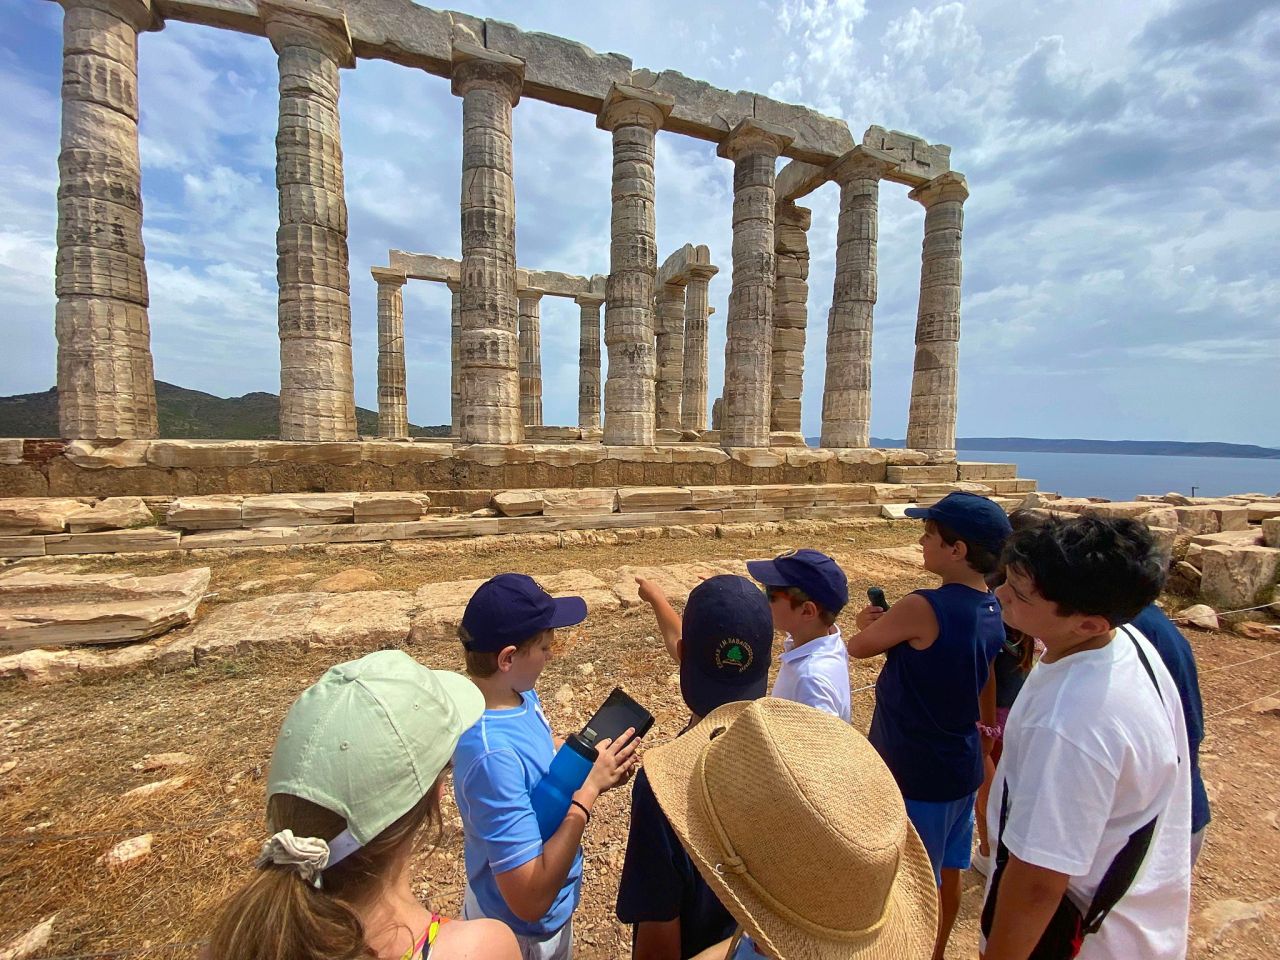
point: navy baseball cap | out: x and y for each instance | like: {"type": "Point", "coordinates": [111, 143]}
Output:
{"type": "Point", "coordinates": [815, 573]}
{"type": "Point", "coordinates": [972, 517]}
{"type": "Point", "coordinates": [726, 644]}
{"type": "Point", "coordinates": [510, 608]}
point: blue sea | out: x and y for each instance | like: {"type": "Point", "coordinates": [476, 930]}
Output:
{"type": "Point", "coordinates": [1123, 476]}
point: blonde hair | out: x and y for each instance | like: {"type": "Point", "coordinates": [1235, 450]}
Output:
{"type": "Point", "coordinates": [279, 916]}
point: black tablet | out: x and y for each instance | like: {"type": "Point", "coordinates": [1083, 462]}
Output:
{"type": "Point", "coordinates": [615, 715]}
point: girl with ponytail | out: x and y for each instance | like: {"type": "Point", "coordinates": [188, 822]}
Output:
{"type": "Point", "coordinates": [355, 780]}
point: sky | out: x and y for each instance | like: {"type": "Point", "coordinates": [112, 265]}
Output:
{"type": "Point", "coordinates": [1121, 244]}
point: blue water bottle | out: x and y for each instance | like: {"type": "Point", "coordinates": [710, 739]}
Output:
{"type": "Point", "coordinates": [552, 794]}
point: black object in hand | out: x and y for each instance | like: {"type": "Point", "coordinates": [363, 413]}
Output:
{"type": "Point", "coordinates": [613, 718]}
{"type": "Point", "coordinates": [877, 598]}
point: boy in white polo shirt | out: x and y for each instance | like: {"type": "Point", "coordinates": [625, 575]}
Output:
{"type": "Point", "coordinates": [807, 590]}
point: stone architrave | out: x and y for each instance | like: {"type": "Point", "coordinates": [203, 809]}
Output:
{"type": "Point", "coordinates": [489, 84]}
{"type": "Point", "coordinates": [106, 381]}
{"type": "Point", "coordinates": [670, 341]}
{"type": "Point", "coordinates": [317, 398]}
{"type": "Point", "coordinates": [931, 423]}
{"type": "Point", "coordinates": [455, 367]}
{"type": "Point", "coordinates": [393, 409]}
{"type": "Point", "coordinates": [790, 314]}
{"type": "Point", "coordinates": [633, 116]}
{"type": "Point", "coordinates": [589, 363]}
{"type": "Point", "coordinates": [693, 403]}
{"type": "Point", "coordinates": [753, 146]}
{"type": "Point", "coordinates": [846, 395]}
{"type": "Point", "coordinates": [530, 337]}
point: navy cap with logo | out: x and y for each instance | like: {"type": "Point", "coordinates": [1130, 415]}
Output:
{"type": "Point", "coordinates": [726, 643]}
{"type": "Point", "coordinates": [814, 572]}
{"type": "Point", "coordinates": [510, 608]}
{"type": "Point", "coordinates": [972, 517]}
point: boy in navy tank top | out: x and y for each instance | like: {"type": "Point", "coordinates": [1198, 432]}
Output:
{"type": "Point", "coordinates": [938, 646]}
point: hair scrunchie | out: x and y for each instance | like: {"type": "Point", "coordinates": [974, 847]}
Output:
{"type": "Point", "coordinates": [308, 855]}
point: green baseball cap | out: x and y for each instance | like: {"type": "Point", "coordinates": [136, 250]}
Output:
{"type": "Point", "coordinates": [369, 739]}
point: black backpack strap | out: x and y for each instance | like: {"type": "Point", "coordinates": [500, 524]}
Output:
{"type": "Point", "coordinates": [1146, 664]}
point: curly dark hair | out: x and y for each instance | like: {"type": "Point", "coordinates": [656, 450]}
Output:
{"type": "Point", "coordinates": [1099, 566]}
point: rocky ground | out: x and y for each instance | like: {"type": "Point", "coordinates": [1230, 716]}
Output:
{"type": "Point", "coordinates": [73, 756]}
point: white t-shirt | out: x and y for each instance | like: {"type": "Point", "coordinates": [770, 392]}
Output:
{"type": "Point", "coordinates": [1090, 755]}
{"type": "Point", "coordinates": [816, 674]}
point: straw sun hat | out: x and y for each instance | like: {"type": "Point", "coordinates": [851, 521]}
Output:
{"type": "Point", "coordinates": [796, 823]}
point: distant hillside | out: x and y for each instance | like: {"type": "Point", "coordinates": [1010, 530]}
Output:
{"type": "Point", "coordinates": [1158, 448]}
{"type": "Point", "coordinates": [184, 415]}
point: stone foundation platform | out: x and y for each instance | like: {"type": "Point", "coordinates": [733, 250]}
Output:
{"type": "Point", "coordinates": [174, 468]}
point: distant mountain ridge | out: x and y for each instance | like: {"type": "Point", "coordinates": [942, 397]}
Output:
{"type": "Point", "coordinates": [1157, 448]}
{"type": "Point", "coordinates": [184, 415]}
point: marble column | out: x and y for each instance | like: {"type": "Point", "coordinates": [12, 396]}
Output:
{"type": "Point", "coordinates": [693, 402]}
{"type": "Point", "coordinates": [846, 395]}
{"type": "Point", "coordinates": [790, 315]}
{"type": "Point", "coordinates": [106, 381]}
{"type": "Point", "coordinates": [455, 365]}
{"type": "Point", "coordinates": [670, 343]}
{"type": "Point", "coordinates": [589, 363]}
{"type": "Point", "coordinates": [393, 409]}
{"type": "Point", "coordinates": [931, 423]}
{"type": "Point", "coordinates": [753, 146]}
{"type": "Point", "coordinates": [489, 84]}
{"type": "Point", "coordinates": [633, 116]}
{"type": "Point", "coordinates": [530, 357]}
{"type": "Point", "coordinates": [317, 399]}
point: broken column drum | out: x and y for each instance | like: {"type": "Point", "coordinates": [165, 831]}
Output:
{"type": "Point", "coordinates": [106, 381]}
{"type": "Point", "coordinates": [489, 85]}
{"type": "Point", "coordinates": [317, 399]}
{"type": "Point", "coordinates": [931, 423]}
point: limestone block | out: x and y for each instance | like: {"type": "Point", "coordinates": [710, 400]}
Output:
{"type": "Point", "coordinates": [335, 453]}
{"type": "Point", "coordinates": [972, 470]}
{"type": "Point", "coordinates": [589, 502]}
{"type": "Point", "coordinates": [39, 609]}
{"type": "Point", "coordinates": [298, 509]}
{"type": "Point", "coordinates": [698, 454]}
{"type": "Point", "coordinates": [1260, 510]}
{"type": "Point", "coordinates": [825, 494]}
{"type": "Point", "coordinates": [102, 454]}
{"type": "Point", "coordinates": [13, 547]}
{"type": "Point", "coordinates": [202, 453]}
{"type": "Point", "coordinates": [893, 492]}
{"type": "Point", "coordinates": [142, 540]}
{"type": "Point", "coordinates": [905, 457]}
{"type": "Point", "coordinates": [1234, 577]}
{"type": "Point", "coordinates": [640, 454]}
{"type": "Point", "coordinates": [803, 456]}
{"type": "Point", "coordinates": [214, 512]}
{"type": "Point", "coordinates": [518, 503]}
{"type": "Point", "coordinates": [973, 486]}
{"type": "Point", "coordinates": [1253, 537]}
{"type": "Point", "coordinates": [22, 516]}
{"type": "Point", "coordinates": [1015, 485]}
{"type": "Point", "coordinates": [711, 498]}
{"type": "Point", "coordinates": [1161, 516]}
{"type": "Point", "coordinates": [113, 513]}
{"type": "Point", "coordinates": [894, 511]}
{"type": "Point", "coordinates": [557, 70]}
{"type": "Point", "coordinates": [917, 160]}
{"type": "Point", "coordinates": [935, 491]}
{"type": "Point", "coordinates": [862, 456]}
{"type": "Point", "coordinates": [1271, 531]}
{"type": "Point", "coordinates": [818, 138]}
{"type": "Point", "coordinates": [935, 473]}
{"type": "Point", "coordinates": [1199, 519]}
{"type": "Point", "coordinates": [585, 584]}
{"type": "Point", "coordinates": [234, 539]}
{"type": "Point", "coordinates": [11, 451]}
{"type": "Point", "coordinates": [1164, 537]}
{"type": "Point", "coordinates": [647, 499]}
{"type": "Point", "coordinates": [667, 435]}
{"type": "Point", "coordinates": [758, 456]}
{"type": "Point", "coordinates": [1232, 518]}
{"type": "Point", "coordinates": [389, 507]}
{"type": "Point", "coordinates": [785, 495]}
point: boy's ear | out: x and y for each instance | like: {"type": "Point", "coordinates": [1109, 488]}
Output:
{"type": "Point", "coordinates": [506, 656]}
{"type": "Point", "coordinates": [1091, 625]}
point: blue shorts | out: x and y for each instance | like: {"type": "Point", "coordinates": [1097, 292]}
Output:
{"type": "Point", "coordinates": [946, 827]}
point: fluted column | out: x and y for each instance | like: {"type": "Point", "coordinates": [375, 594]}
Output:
{"type": "Point", "coordinates": [393, 413]}
{"type": "Point", "coordinates": [846, 395]}
{"type": "Point", "coordinates": [670, 356]}
{"type": "Point", "coordinates": [106, 381]}
{"type": "Point", "coordinates": [931, 424]}
{"type": "Point", "coordinates": [753, 146]}
{"type": "Point", "coordinates": [489, 84]}
{"type": "Point", "coordinates": [455, 365]}
{"type": "Point", "coordinates": [790, 315]}
{"type": "Point", "coordinates": [589, 363]}
{"type": "Point", "coordinates": [531, 357]}
{"type": "Point", "coordinates": [693, 402]}
{"type": "Point", "coordinates": [317, 398]}
{"type": "Point", "coordinates": [633, 116]}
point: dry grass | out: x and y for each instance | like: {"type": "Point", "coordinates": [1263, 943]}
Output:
{"type": "Point", "coordinates": [61, 807]}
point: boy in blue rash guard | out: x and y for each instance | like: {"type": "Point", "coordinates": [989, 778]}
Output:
{"type": "Point", "coordinates": [512, 874]}
{"type": "Point", "coordinates": [938, 646]}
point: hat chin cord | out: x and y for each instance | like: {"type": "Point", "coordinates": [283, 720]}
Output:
{"type": "Point", "coordinates": [732, 863]}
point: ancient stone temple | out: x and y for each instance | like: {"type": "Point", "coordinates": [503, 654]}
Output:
{"type": "Point", "coordinates": [652, 322]}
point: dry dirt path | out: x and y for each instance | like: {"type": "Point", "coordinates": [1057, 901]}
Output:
{"type": "Point", "coordinates": [75, 747]}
